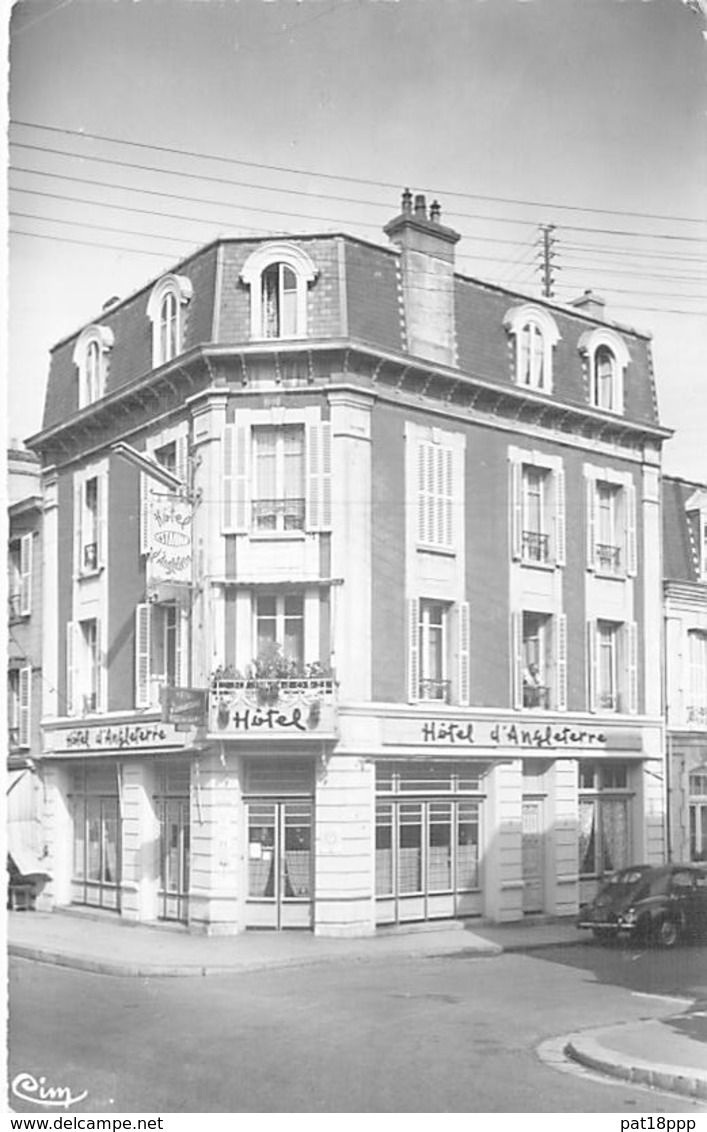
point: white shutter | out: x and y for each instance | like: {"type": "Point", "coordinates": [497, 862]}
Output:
{"type": "Point", "coordinates": [591, 521]}
{"type": "Point", "coordinates": [631, 631]}
{"type": "Point", "coordinates": [144, 513]}
{"type": "Point", "coordinates": [422, 492]}
{"type": "Point", "coordinates": [560, 539]}
{"type": "Point", "coordinates": [182, 674]}
{"type": "Point", "coordinates": [26, 575]}
{"type": "Point", "coordinates": [25, 713]}
{"type": "Point", "coordinates": [72, 650]}
{"type": "Point", "coordinates": [78, 517]}
{"type": "Point", "coordinates": [413, 650]}
{"type": "Point", "coordinates": [102, 535]}
{"type": "Point", "coordinates": [517, 659]}
{"type": "Point", "coordinates": [464, 673]}
{"type": "Point", "coordinates": [592, 674]}
{"type": "Point", "coordinates": [630, 529]}
{"type": "Point", "coordinates": [235, 460]}
{"type": "Point", "coordinates": [181, 464]}
{"type": "Point", "coordinates": [516, 493]}
{"type": "Point", "coordinates": [318, 463]}
{"type": "Point", "coordinates": [143, 617]}
{"type": "Point", "coordinates": [561, 662]}
{"type": "Point", "coordinates": [100, 669]}
{"type": "Point", "coordinates": [446, 496]}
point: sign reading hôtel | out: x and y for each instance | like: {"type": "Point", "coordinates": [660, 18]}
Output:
{"type": "Point", "coordinates": [169, 551]}
{"type": "Point", "coordinates": [522, 734]}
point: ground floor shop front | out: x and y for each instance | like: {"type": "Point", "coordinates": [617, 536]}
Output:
{"type": "Point", "coordinates": [235, 836]}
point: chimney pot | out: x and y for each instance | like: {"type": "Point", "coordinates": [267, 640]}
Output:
{"type": "Point", "coordinates": [420, 205]}
{"type": "Point", "coordinates": [407, 202]}
{"type": "Point", "coordinates": [435, 211]}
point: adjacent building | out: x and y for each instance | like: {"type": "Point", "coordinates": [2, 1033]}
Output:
{"type": "Point", "coordinates": [24, 662]}
{"type": "Point", "coordinates": [685, 558]}
{"type": "Point", "coordinates": [414, 567]}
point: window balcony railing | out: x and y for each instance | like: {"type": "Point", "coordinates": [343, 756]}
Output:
{"type": "Point", "coordinates": [90, 556]}
{"type": "Point", "coordinates": [536, 546]}
{"type": "Point", "coordinates": [437, 690]}
{"type": "Point", "coordinates": [278, 514]}
{"type": "Point", "coordinates": [536, 696]}
{"type": "Point", "coordinates": [608, 558]}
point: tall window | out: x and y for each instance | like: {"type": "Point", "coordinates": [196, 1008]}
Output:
{"type": "Point", "coordinates": [697, 660]}
{"type": "Point", "coordinates": [165, 309]}
{"type": "Point", "coordinates": [608, 544]}
{"type": "Point", "coordinates": [434, 684]}
{"type": "Point", "coordinates": [279, 488]}
{"type": "Point", "coordinates": [160, 650]}
{"type": "Point", "coordinates": [165, 643]}
{"type": "Point", "coordinates": [90, 358]}
{"type": "Point", "coordinates": [537, 660]}
{"type": "Point", "coordinates": [536, 334]}
{"type": "Point", "coordinates": [604, 379]}
{"type": "Point", "coordinates": [280, 627]}
{"type": "Point", "coordinates": [93, 371]}
{"type": "Point", "coordinates": [698, 814]}
{"type": "Point", "coordinates": [604, 810]}
{"type": "Point", "coordinates": [607, 666]}
{"type": "Point", "coordinates": [536, 539]}
{"type": "Point", "coordinates": [168, 327]}
{"type": "Point", "coordinates": [279, 298]}
{"type": "Point", "coordinates": [19, 578]}
{"type": "Point", "coordinates": [89, 664]}
{"type": "Point", "coordinates": [89, 525]}
{"type": "Point", "coordinates": [434, 495]}
{"type": "Point", "coordinates": [13, 706]}
{"type": "Point", "coordinates": [531, 356]}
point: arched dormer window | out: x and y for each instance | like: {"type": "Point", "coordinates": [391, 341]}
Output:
{"type": "Point", "coordinates": [278, 275]}
{"type": "Point", "coordinates": [90, 358]}
{"type": "Point", "coordinates": [536, 334]}
{"type": "Point", "coordinates": [607, 357]}
{"type": "Point", "coordinates": [165, 310]}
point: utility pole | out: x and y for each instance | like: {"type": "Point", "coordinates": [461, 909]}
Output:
{"type": "Point", "coordinates": [547, 254]}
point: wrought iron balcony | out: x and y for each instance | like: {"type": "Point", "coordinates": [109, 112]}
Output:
{"type": "Point", "coordinates": [608, 558]}
{"type": "Point", "coordinates": [273, 707]}
{"type": "Point", "coordinates": [536, 546]}
{"type": "Point", "coordinates": [437, 690]}
{"type": "Point", "coordinates": [278, 514]}
{"type": "Point", "coordinates": [536, 696]}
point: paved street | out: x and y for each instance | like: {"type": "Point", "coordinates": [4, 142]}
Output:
{"type": "Point", "coordinates": [454, 1034]}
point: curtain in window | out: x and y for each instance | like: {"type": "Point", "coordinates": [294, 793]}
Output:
{"type": "Point", "coordinates": [614, 834]}
{"type": "Point", "coordinates": [587, 837]}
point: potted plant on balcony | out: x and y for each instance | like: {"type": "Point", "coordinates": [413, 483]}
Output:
{"type": "Point", "coordinates": [269, 670]}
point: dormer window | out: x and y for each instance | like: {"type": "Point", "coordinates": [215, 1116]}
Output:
{"type": "Point", "coordinates": [90, 358]}
{"type": "Point", "coordinates": [278, 275]}
{"type": "Point", "coordinates": [535, 334]}
{"type": "Point", "coordinates": [607, 357]}
{"type": "Point", "coordinates": [166, 312]}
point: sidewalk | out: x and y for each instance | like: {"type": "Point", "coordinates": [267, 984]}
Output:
{"type": "Point", "coordinates": [649, 1052]}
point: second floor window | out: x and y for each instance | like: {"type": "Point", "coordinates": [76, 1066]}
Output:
{"type": "Point", "coordinates": [607, 666]}
{"type": "Point", "coordinates": [278, 475]}
{"type": "Point", "coordinates": [433, 651]}
{"type": "Point", "coordinates": [697, 660]}
{"type": "Point", "coordinates": [438, 643]}
{"type": "Point", "coordinates": [84, 667]}
{"type": "Point", "coordinates": [613, 666]}
{"type": "Point", "coordinates": [159, 650]}
{"type": "Point", "coordinates": [280, 627]}
{"type": "Point", "coordinates": [539, 660]}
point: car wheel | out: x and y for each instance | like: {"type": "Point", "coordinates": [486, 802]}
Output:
{"type": "Point", "coordinates": [668, 933]}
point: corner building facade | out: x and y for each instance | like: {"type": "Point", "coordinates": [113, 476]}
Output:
{"type": "Point", "coordinates": [425, 587]}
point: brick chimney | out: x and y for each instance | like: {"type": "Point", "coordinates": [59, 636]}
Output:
{"type": "Point", "coordinates": [427, 260]}
{"type": "Point", "coordinates": [590, 304]}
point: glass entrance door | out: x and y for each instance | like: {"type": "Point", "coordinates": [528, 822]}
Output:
{"type": "Point", "coordinates": [174, 858]}
{"type": "Point", "coordinates": [533, 864]}
{"type": "Point", "coordinates": [280, 864]}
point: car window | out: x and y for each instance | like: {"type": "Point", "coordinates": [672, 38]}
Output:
{"type": "Point", "coordinates": [658, 885]}
{"type": "Point", "coordinates": [683, 882]}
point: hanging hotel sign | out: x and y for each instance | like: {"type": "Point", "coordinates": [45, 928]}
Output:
{"type": "Point", "coordinates": [169, 540]}
{"type": "Point", "coordinates": [522, 734]}
{"type": "Point", "coordinates": [112, 738]}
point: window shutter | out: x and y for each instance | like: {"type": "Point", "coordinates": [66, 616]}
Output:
{"type": "Point", "coordinates": [143, 615]}
{"type": "Point", "coordinates": [78, 514]}
{"type": "Point", "coordinates": [144, 513]}
{"type": "Point", "coordinates": [516, 491]}
{"type": "Point", "coordinates": [631, 631]}
{"type": "Point", "coordinates": [413, 650]}
{"type": "Point", "coordinates": [319, 477]}
{"type": "Point", "coordinates": [592, 675]}
{"type": "Point", "coordinates": [100, 669]}
{"type": "Point", "coordinates": [183, 649]}
{"type": "Point", "coordinates": [561, 662]}
{"type": "Point", "coordinates": [517, 659]}
{"type": "Point", "coordinates": [181, 464]}
{"type": "Point", "coordinates": [71, 673]}
{"type": "Point", "coordinates": [25, 705]}
{"type": "Point", "coordinates": [26, 574]}
{"type": "Point", "coordinates": [423, 492]}
{"type": "Point", "coordinates": [591, 521]}
{"type": "Point", "coordinates": [235, 449]}
{"type": "Point", "coordinates": [445, 496]}
{"type": "Point", "coordinates": [103, 520]}
{"type": "Point", "coordinates": [630, 526]}
{"type": "Point", "coordinates": [464, 673]}
{"type": "Point", "coordinates": [560, 540]}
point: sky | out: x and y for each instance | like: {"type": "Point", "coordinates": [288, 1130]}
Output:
{"type": "Point", "coordinates": [142, 130]}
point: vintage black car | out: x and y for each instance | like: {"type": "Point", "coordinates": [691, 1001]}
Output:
{"type": "Point", "coordinates": [654, 905]}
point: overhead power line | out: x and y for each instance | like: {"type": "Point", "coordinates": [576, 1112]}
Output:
{"type": "Point", "coordinates": [176, 151]}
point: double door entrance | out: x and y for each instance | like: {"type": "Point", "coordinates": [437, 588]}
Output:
{"type": "Point", "coordinates": [280, 863]}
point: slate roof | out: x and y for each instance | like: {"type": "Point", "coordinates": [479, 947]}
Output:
{"type": "Point", "coordinates": [680, 532]}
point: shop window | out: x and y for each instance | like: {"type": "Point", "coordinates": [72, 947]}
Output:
{"type": "Point", "coordinates": [698, 814]}
{"type": "Point", "coordinates": [278, 478]}
{"type": "Point", "coordinates": [604, 818]}
{"type": "Point", "coordinates": [95, 810]}
{"type": "Point", "coordinates": [697, 662]}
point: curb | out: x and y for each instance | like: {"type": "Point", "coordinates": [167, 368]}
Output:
{"type": "Point", "coordinates": [588, 1051]}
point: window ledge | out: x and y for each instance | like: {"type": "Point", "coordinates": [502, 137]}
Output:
{"type": "Point", "coordinates": [529, 564]}
{"type": "Point", "coordinates": [84, 575]}
{"type": "Point", "coordinates": [442, 551]}
{"type": "Point", "coordinates": [278, 536]}
{"type": "Point", "coordinates": [611, 575]}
